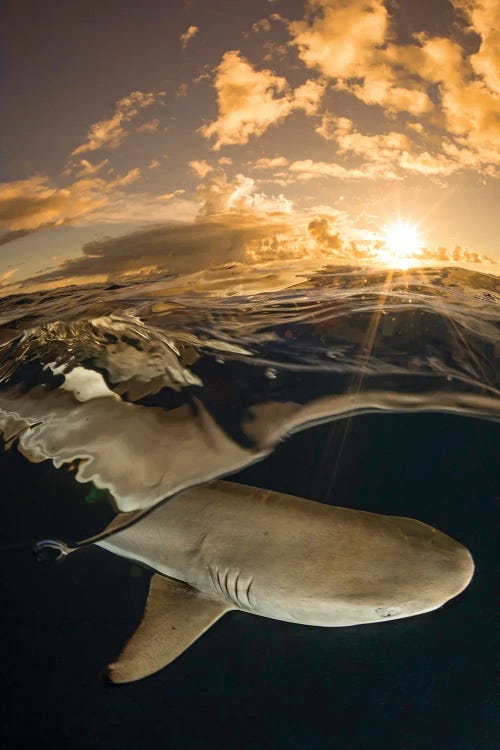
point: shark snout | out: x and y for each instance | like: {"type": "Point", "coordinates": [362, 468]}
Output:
{"type": "Point", "coordinates": [439, 567]}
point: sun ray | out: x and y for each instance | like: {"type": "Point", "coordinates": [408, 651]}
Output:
{"type": "Point", "coordinates": [401, 245]}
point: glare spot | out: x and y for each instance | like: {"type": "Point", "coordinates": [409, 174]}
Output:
{"type": "Point", "coordinates": [402, 244]}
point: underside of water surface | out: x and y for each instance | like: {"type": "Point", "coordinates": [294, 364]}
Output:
{"type": "Point", "coordinates": [146, 389]}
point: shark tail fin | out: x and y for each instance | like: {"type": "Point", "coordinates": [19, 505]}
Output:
{"type": "Point", "coordinates": [175, 616]}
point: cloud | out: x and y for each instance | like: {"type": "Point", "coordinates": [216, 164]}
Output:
{"type": "Point", "coordinates": [427, 164]}
{"type": "Point", "coordinates": [380, 148]}
{"type": "Point", "coordinates": [454, 94]}
{"type": "Point", "coordinates": [141, 209]}
{"type": "Point", "coordinates": [263, 25]}
{"type": "Point", "coordinates": [189, 34]}
{"type": "Point", "coordinates": [457, 255]}
{"type": "Point", "coordinates": [384, 154]}
{"type": "Point", "coordinates": [18, 234]}
{"type": "Point", "coordinates": [201, 168]}
{"type": "Point", "coordinates": [149, 127]}
{"type": "Point", "coordinates": [234, 224]}
{"type": "Point", "coordinates": [176, 248]}
{"type": "Point", "coordinates": [84, 168]}
{"type": "Point", "coordinates": [250, 101]}
{"type": "Point", "coordinates": [340, 36]}
{"type": "Point", "coordinates": [220, 196]}
{"type": "Point", "coordinates": [110, 133]}
{"type": "Point", "coordinates": [484, 19]}
{"type": "Point", "coordinates": [278, 161]}
{"type": "Point", "coordinates": [347, 41]}
{"type": "Point", "coordinates": [169, 196]}
{"type": "Point", "coordinates": [308, 96]}
{"type": "Point", "coordinates": [381, 86]}
{"type": "Point", "coordinates": [6, 275]}
{"type": "Point", "coordinates": [35, 202]}
{"type": "Point", "coordinates": [308, 169]}
{"type": "Point", "coordinates": [320, 231]}
{"type": "Point", "coordinates": [131, 176]}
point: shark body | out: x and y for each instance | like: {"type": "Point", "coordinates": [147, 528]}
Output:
{"type": "Point", "coordinates": [225, 546]}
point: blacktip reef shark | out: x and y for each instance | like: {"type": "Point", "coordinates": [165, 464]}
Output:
{"type": "Point", "coordinates": [225, 546]}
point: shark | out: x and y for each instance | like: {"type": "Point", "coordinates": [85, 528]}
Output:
{"type": "Point", "coordinates": [226, 546]}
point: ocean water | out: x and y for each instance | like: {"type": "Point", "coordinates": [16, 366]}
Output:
{"type": "Point", "coordinates": [358, 387]}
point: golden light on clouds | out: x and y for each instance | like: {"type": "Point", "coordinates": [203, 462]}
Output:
{"type": "Point", "coordinates": [320, 120]}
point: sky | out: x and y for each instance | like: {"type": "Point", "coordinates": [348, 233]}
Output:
{"type": "Point", "coordinates": [185, 133]}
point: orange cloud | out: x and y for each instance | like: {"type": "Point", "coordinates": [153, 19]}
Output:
{"type": "Point", "coordinates": [454, 95]}
{"type": "Point", "coordinates": [308, 169]}
{"type": "Point", "coordinates": [484, 18]}
{"type": "Point", "coordinates": [340, 36]}
{"type": "Point", "coordinates": [220, 196]}
{"type": "Point", "coordinates": [110, 133]}
{"type": "Point", "coordinates": [28, 205]}
{"type": "Point", "coordinates": [35, 202]}
{"type": "Point", "coordinates": [381, 148]}
{"type": "Point", "coordinates": [201, 168]}
{"type": "Point", "coordinates": [250, 101]}
{"type": "Point", "coordinates": [384, 154]}
{"type": "Point", "coordinates": [85, 168]}
{"type": "Point", "coordinates": [149, 127]}
{"type": "Point", "coordinates": [189, 34]}
{"type": "Point", "coordinates": [278, 161]}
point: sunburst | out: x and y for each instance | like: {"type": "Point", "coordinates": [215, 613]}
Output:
{"type": "Point", "coordinates": [402, 244]}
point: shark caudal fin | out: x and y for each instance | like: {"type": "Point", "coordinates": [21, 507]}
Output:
{"type": "Point", "coordinates": [175, 616]}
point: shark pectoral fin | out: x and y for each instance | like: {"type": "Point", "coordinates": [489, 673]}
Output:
{"type": "Point", "coordinates": [175, 616]}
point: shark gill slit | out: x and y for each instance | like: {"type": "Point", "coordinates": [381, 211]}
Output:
{"type": "Point", "coordinates": [210, 573]}
{"type": "Point", "coordinates": [226, 585]}
{"type": "Point", "coordinates": [247, 592]}
{"type": "Point", "coordinates": [219, 582]}
{"type": "Point", "coordinates": [236, 596]}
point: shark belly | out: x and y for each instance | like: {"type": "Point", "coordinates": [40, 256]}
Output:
{"type": "Point", "coordinates": [262, 552]}
{"type": "Point", "coordinates": [296, 560]}
{"type": "Point", "coordinates": [225, 546]}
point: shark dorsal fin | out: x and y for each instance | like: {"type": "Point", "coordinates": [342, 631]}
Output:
{"type": "Point", "coordinates": [175, 616]}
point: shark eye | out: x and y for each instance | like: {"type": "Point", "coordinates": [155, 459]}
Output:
{"type": "Point", "coordinates": [388, 611]}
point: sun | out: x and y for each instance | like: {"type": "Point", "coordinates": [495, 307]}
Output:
{"type": "Point", "coordinates": [402, 244]}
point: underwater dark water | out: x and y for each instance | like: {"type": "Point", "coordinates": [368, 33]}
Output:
{"type": "Point", "coordinates": [146, 389]}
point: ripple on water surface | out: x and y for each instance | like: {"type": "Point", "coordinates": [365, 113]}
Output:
{"type": "Point", "coordinates": [150, 388]}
